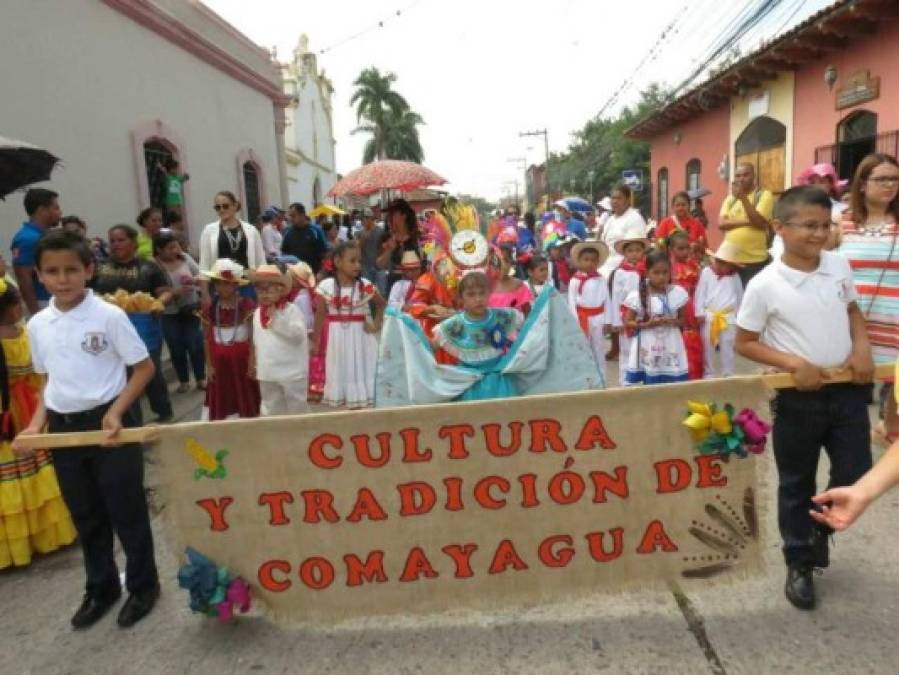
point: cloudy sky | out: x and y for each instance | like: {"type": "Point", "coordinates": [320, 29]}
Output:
{"type": "Point", "coordinates": [481, 71]}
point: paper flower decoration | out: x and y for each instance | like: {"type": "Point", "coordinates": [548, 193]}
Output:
{"type": "Point", "coordinates": [722, 432]}
{"type": "Point", "coordinates": [213, 590]}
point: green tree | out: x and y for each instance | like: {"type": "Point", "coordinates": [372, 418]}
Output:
{"type": "Point", "coordinates": [377, 103]}
{"type": "Point", "coordinates": [401, 140]}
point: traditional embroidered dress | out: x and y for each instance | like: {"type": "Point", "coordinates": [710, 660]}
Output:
{"type": "Point", "coordinates": [718, 298]}
{"type": "Point", "coordinates": [352, 352]}
{"type": "Point", "coordinates": [231, 390]}
{"type": "Point", "coordinates": [429, 291]}
{"type": "Point", "coordinates": [33, 516]}
{"type": "Point", "coordinates": [588, 299]}
{"type": "Point", "coordinates": [520, 299]}
{"type": "Point", "coordinates": [624, 281]}
{"type": "Point", "coordinates": [657, 354]}
{"type": "Point", "coordinates": [686, 275]}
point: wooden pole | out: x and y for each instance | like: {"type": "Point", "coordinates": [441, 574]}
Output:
{"type": "Point", "coordinates": [785, 380]}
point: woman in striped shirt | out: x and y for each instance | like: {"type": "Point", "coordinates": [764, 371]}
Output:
{"type": "Point", "coordinates": [871, 243]}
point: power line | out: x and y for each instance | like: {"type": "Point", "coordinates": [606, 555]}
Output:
{"type": "Point", "coordinates": [365, 31]}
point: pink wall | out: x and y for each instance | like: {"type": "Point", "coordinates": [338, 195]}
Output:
{"type": "Point", "coordinates": [704, 138]}
{"type": "Point", "coordinates": [815, 116]}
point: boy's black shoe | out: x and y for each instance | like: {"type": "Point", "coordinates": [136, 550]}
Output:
{"type": "Point", "coordinates": [800, 588]}
{"type": "Point", "coordinates": [137, 606]}
{"type": "Point", "coordinates": [92, 609]}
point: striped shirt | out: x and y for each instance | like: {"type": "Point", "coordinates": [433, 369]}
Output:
{"type": "Point", "coordinates": [873, 254]}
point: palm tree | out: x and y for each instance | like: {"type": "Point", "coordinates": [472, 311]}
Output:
{"type": "Point", "coordinates": [376, 102]}
{"type": "Point", "coordinates": [401, 139]}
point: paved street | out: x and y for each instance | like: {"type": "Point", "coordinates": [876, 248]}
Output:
{"type": "Point", "coordinates": [743, 628]}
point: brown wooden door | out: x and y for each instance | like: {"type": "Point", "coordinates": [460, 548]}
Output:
{"type": "Point", "coordinates": [770, 167]}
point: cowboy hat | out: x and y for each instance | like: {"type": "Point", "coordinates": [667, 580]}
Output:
{"type": "Point", "coordinates": [303, 274]}
{"type": "Point", "coordinates": [409, 261]}
{"type": "Point", "coordinates": [621, 243]}
{"type": "Point", "coordinates": [605, 203]}
{"type": "Point", "coordinates": [270, 273]}
{"type": "Point", "coordinates": [727, 252]}
{"type": "Point", "coordinates": [225, 269]}
{"type": "Point", "coordinates": [590, 245]}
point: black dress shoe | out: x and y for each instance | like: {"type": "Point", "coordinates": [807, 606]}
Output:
{"type": "Point", "coordinates": [92, 609]}
{"type": "Point", "coordinates": [137, 606]}
{"type": "Point", "coordinates": [800, 588]}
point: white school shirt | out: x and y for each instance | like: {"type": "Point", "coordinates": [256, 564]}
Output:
{"type": "Point", "coordinates": [83, 352]}
{"type": "Point", "coordinates": [303, 301]}
{"type": "Point", "coordinates": [282, 349]}
{"type": "Point", "coordinates": [802, 313]}
{"type": "Point", "coordinates": [398, 293]}
{"type": "Point", "coordinates": [623, 284]}
{"type": "Point", "coordinates": [590, 293]}
{"type": "Point", "coordinates": [715, 294]}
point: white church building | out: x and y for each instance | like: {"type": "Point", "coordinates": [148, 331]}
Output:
{"type": "Point", "coordinates": [309, 134]}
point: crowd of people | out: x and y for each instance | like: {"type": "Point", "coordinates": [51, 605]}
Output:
{"type": "Point", "coordinates": [266, 318]}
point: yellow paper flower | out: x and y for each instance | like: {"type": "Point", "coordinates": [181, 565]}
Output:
{"type": "Point", "coordinates": [703, 420]}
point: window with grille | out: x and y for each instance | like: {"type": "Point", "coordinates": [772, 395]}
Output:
{"type": "Point", "coordinates": [156, 153]}
{"type": "Point", "coordinates": [694, 168]}
{"type": "Point", "coordinates": [251, 191]}
{"type": "Point", "coordinates": [662, 186]}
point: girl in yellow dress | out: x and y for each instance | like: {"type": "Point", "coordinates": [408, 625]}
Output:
{"type": "Point", "coordinates": [33, 516]}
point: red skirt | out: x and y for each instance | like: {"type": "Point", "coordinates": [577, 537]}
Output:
{"type": "Point", "coordinates": [231, 391]}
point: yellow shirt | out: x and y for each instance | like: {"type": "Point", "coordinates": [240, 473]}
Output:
{"type": "Point", "coordinates": [751, 242]}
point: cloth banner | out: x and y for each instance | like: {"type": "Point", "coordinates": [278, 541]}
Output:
{"type": "Point", "coordinates": [483, 505]}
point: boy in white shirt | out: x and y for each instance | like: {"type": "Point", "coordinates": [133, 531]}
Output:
{"type": "Point", "coordinates": [401, 292]}
{"type": "Point", "coordinates": [280, 344]}
{"type": "Point", "coordinates": [716, 303]}
{"type": "Point", "coordinates": [625, 279]}
{"type": "Point", "coordinates": [588, 296]}
{"type": "Point", "coordinates": [82, 346]}
{"type": "Point", "coordinates": [799, 314]}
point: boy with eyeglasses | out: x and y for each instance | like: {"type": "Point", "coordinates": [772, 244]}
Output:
{"type": "Point", "coordinates": [800, 315]}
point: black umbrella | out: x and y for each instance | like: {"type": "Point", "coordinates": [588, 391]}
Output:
{"type": "Point", "coordinates": [22, 164]}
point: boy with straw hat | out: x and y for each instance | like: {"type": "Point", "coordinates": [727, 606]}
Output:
{"type": "Point", "coordinates": [401, 293]}
{"type": "Point", "coordinates": [717, 301]}
{"type": "Point", "coordinates": [588, 296]}
{"type": "Point", "coordinates": [623, 280]}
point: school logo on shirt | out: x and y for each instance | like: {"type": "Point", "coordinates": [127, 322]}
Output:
{"type": "Point", "coordinates": [94, 343]}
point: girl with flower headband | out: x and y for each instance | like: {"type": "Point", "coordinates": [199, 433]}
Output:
{"type": "Point", "coordinates": [352, 308]}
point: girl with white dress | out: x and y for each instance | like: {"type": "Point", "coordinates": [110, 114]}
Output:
{"type": "Point", "coordinates": [352, 351]}
{"type": "Point", "coordinates": [655, 312]}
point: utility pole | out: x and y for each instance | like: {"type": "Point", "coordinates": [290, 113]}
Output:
{"type": "Point", "coordinates": [522, 167]}
{"type": "Point", "coordinates": [542, 132]}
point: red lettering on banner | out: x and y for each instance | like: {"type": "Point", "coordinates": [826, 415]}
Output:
{"type": "Point", "coordinates": [656, 537]}
{"type": "Point", "coordinates": [366, 505]}
{"type": "Point", "coordinates": [559, 558]}
{"type": "Point", "coordinates": [453, 493]}
{"type": "Point", "coordinates": [528, 490]}
{"type": "Point", "coordinates": [267, 575]}
{"type": "Point", "coordinates": [456, 434]}
{"type": "Point", "coordinates": [673, 475]}
{"type": "Point", "coordinates": [371, 570]}
{"type": "Point", "coordinates": [417, 563]}
{"type": "Point", "coordinates": [492, 433]}
{"type": "Point", "coordinates": [216, 510]}
{"type": "Point", "coordinates": [603, 483]}
{"type": "Point", "coordinates": [275, 502]}
{"type": "Point", "coordinates": [598, 551]}
{"type": "Point", "coordinates": [319, 504]}
{"type": "Point", "coordinates": [416, 498]}
{"type": "Point", "coordinates": [546, 432]}
{"type": "Point", "coordinates": [573, 488]}
{"type": "Point", "coordinates": [594, 433]}
{"type": "Point", "coordinates": [317, 573]}
{"type": "Point", "coordinates": [709, 471]}
{"type": "Point", "coordinates": [461, 556]}
{"type": "Point", "coordinates": [317, 451]}
{"type": "Point", "coordinates": [363, 449]}
{"type": "Point", "coordinates": [482, 492]}
{"type": "Point", "coordinates": [505, 556]}
{"type": "Point", "coordinates": [411, 453]}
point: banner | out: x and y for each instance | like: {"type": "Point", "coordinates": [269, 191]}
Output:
{"type": "Point", "coordinates": [468, 505]}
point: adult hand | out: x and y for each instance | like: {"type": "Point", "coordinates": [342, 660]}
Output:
{"type": "Point", "coordinates": [840, 507]}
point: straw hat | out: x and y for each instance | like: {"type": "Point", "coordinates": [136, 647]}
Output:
{"type": "Point", "coordinates": [728, 252]}
{"type": "Point", "coordinates": [271, 273]}
{"type": "Point", "coordinates": [621, 243]}
{"type": "Point", "coordinates": [225, 269]}
{"type": "Point", "coordinates": [302, 273]}
{"type": "Point", "coordinates": [590, 245]}
{"type": "Point", "coordinates": [605, 203]}
{"type": "Point", "coordinates": [409, 261]}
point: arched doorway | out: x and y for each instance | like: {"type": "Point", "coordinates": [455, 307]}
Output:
{"type": "Point", "coordinates": [253, 196]}
{"type": "Point", "coordinates": [156, 153]}
{"type": "Point", "coordinates": [856, 138]}
{"type": "Point", "coordinates": [763, 144]}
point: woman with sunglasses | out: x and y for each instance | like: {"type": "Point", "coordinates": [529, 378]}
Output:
{"type": "Point", "coordinates": [228, 237]}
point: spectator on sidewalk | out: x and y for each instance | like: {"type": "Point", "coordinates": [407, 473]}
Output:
{"type": "Point", "coordinates": [303, 240]}
{"type": "Point", "coordinates": [42, 207]}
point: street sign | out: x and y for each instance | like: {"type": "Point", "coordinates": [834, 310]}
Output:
{"type": "Point", "coordinates": [633, 178]}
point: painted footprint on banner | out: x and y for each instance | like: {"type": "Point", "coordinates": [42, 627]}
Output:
{"type": "Point", "coordinates": [207, 465]}
{"type": "Point", "coordinates": [726, 536]}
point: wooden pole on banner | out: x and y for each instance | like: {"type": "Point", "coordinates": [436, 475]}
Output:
{"type": "Point", "coordinates": [78, 439]}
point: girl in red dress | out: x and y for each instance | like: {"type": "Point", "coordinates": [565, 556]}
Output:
{"type": "Point", "coordinates": [227, 328]}
{"type": "Point", "coordinates": [685, 273]}
{"type": "Point", "coordinates": [682, 221]}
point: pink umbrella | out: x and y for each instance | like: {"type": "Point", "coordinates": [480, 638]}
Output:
{"type": "Point", "coordinates": [388, 174]}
